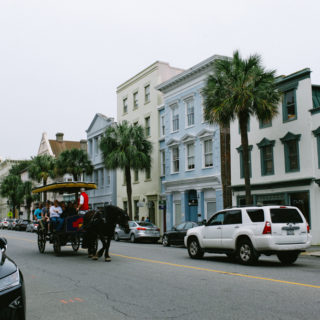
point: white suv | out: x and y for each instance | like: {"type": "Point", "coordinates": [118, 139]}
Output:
{"type": "Point", "coordinates": [247, 232]}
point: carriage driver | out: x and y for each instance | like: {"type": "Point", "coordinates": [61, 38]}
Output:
{"type": "Point", "coordinates": [83, 205]}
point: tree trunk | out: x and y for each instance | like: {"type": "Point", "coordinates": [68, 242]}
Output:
{"type": "Point", "coordinates": [243, 121]}
{"type": "Point", "coordinates": [45, 193]}
{"type": "Point", "coordinates": [129, 190]}
{"type": "Point", "coordinates": [225, 165]}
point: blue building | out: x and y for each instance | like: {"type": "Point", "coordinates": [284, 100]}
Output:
{"type": "Point", "coordinates": [105, 180]}
{"type": "Point", "coordinates": [190, 159]}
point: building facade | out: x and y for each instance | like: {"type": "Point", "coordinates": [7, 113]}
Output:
{"type": "Point", "coordinates": [190, 157]}
{"type": "Point", "coordinates": [284, 153]}
{"type": "Point", "coordinates": [106, 192]}
{"type": "Point", "coordinates": [137, 103]}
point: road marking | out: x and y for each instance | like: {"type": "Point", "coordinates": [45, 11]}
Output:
{"type": "Point", "coordinates": [217, 271]}
{"type": "Point", "coordinates": [198, 268]}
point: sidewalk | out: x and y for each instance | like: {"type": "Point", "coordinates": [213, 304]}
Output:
{"type": "Point", "coordinates": [312, 251]}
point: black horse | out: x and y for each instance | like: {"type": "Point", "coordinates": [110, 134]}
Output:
{"type": "Point", "coordinates": [101, 225]}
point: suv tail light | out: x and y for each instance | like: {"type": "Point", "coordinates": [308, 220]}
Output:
{"type": "Point", "coordinates": [267, 228]}
{"type": "Point", "coordinates": [308, 228]}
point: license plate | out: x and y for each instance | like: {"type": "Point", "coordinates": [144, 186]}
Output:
{"type": "Point", "coordinates": [290, 232]}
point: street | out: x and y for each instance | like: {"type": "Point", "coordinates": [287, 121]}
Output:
{"type": "Point", "coordinates": [149, 281]}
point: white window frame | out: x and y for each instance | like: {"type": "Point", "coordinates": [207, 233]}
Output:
{"type": "Point", "coordinates": [174, 108]}
{"type": "Point", "coordinates": [176, 147]}
{"type": "Point", "coordinates": [204, 152]}
{"type": "Point", "coordinates": [135, 98]}
{"type": "Point", "coordinates": [147, 95]}
{"type": "Point", "coordinates": [187, 103]}
{"type": "Point", "coordinates": [162, 163]}
{"type": "Point", "coordinates": [188, 157]}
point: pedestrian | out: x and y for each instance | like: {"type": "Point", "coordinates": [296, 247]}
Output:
{"type": "Point", "coordinates": [142, 219]}
{"type": "Point", "coordinates": [147, 219]}
{"type": "Point", "coordinates": [83, 204]}
{"type": "Point", "coordinates": [55, 215]}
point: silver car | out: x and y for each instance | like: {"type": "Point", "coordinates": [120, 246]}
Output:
{"type": "Point", "coordinates": [138, 230]}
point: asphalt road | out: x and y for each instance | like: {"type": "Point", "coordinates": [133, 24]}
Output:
{"type": "Point", "coordinates": [148, 281]}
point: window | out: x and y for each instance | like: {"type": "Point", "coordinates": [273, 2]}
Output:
{"type": "Point", "coordinates": [207, 152]}
{"type": "Point", "coordinates": [266, 156]}
{"type": "Point", "coordinates": [147, 126]}
{"type": "Point", "coordinates": [233, 217]}
{"type": "Point", "coordinates": [175, 159]}
{"type": "Point", "coordinates": [216, 219]}
{"type": "Point", "coordinates": [265, 124]}
{"type": "Point", "coordinates": [240, 150]}
{"type": "Point", "coordinates": [190, 112]}
{"type": "Point", "coordinates": [136, 175]}
{"type": "Point", "coordinates": [148, 174]}
{"type": "Point", "coordinates": [101, 178]}
{"type": "Point", "coordinates": [163, 162]}
{"type": "Point", "coordinates": [147, 94]}
{"type": "Point", "coordinates": [289, 105]}
{"type": "Point", "coordinates": [136, 209]}
{"type": "Point", "coordinates": [90, 148]}
{"type": "Point", "coordinates": [291, 151]}
{"type": "Point", "coordinates": [256, 215]}
{"type": "Point", "coordinates": [317, 135]}
{"type": "Point", "coordinates": [125, 105]}
{"type": "Point", "coordinates": [175, 118]}
{"type": "Point", "coordinates": [125, 206]}
{"type": "Point", "coordinates": [285, 215]}
{"type": "Point", "coordinates": [108, 179]}
{"type": "Point", "coordinates": [162, 127]}
{"type": "Point", "coordinates": [190, 156]}
{"type": "Point", "coordinates": [96, 146]}
{"type": "Point", "coordinates": [135, 100]}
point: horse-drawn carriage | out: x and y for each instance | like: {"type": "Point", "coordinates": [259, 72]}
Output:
{"type": "Point", "coordinates": [99, 224]}
{"type": "Point", "coordinates": [72, 232]}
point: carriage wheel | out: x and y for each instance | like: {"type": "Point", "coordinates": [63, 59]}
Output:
{"type": "Point", "coordinates": [56, 244]}
{"type": "Point", "coordinates": [41, 241]}
{"type": "Point", "coordinates": [75, 243]}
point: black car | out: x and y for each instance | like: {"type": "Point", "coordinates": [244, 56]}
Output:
{"type": "Point", "coordinates": [177, 233]}
{"type": "Point", "coordinates": [12, 293]}
{"type": "Point", "coordinates": [21, 225]}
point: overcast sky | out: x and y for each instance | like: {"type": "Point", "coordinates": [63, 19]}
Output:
{"type": "Point", "coordinates": [61, 60]}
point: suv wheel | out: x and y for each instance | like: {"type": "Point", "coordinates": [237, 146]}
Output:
{"type": "Point", "coordinates": [288, 257]}
{"type": "Point", "coordinates": [194, 249]}
{"type": "Point", "coordinates": [246, 253]}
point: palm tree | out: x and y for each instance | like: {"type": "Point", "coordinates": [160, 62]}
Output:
{"type": "Point", "coordinates": [75, 162]}
{"type": "Point", "coordinates": [124, 146]}
{"type": "Point", "coordinates": [41, 168]}
{"type": "Point", "coordinates": [12, 188]}
{"type": "Point", "coordinates": [240, 88]}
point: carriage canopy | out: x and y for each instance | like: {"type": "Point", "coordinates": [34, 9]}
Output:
{"type": "Point", "coordinates": [65, 187]}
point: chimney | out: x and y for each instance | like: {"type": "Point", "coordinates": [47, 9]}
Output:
{"type": "Point", "coordinates": [83, 145]}
{"type": "Point", "coordinates": [59, 136]}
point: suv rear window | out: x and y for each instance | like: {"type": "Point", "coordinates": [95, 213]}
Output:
{"type": "Point", "coordinates": [256, 215]}
{"type": "Point", "coordinates": [285, 215]}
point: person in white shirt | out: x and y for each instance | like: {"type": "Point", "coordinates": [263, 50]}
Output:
{"type": "Point", "coordinates": [55, 212]}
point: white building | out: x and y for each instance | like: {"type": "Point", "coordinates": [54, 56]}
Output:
{"type": "Point", "coordinates": [285, 153]}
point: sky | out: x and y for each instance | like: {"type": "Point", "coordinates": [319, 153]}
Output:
{"type": "Point", "coordinates": [61, 60]}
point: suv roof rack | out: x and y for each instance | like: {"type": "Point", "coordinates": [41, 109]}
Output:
{"type": "Point", "coordinates": [244, 206]}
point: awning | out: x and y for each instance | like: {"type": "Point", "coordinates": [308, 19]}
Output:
{"type": "Point", "coordinates": [65, 187]}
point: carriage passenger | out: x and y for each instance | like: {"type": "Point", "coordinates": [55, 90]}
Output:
{"type": "Point", "coordinates": [55, 215]}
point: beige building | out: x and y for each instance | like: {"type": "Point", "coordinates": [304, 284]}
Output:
{"type": "Point", "coordinates": [137, 103]}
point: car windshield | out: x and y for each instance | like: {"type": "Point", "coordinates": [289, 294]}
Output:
{"type": "Point", "coordinates": [285, 215]}
{"type": "Point", "coordinates": [145, 224]}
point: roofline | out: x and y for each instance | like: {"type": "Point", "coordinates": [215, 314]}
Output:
{"type": "Point", "coordinates": [189, 72]}
{"type": "Point", "coordinates": [140, 74]}
{"type": "Point", "coordinates": [298, 74]}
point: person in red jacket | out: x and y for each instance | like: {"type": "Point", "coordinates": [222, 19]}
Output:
{"type": "Point", "coordinates": [83, 205]}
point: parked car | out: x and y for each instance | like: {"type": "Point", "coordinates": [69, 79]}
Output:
{"type": "Point", "coordinates": [6, 222]}
{"type": "Point", "coordinates": [12, 224]}
{"type": "Point", "coordinates": [177, 233]}
{"type": "Point", "coordinates": [21, 225]}
{"type": "Point", "coordinates": [139, 230]}
{"type": "Point", "coordinates": [248, 232]}
{"type": "Point", "coordinates": [12, 290]}
{"type": "Point", "coordinates": [32, 226]}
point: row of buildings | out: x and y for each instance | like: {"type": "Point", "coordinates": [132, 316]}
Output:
{"type": "Point", "coordinates": [196, 166]}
